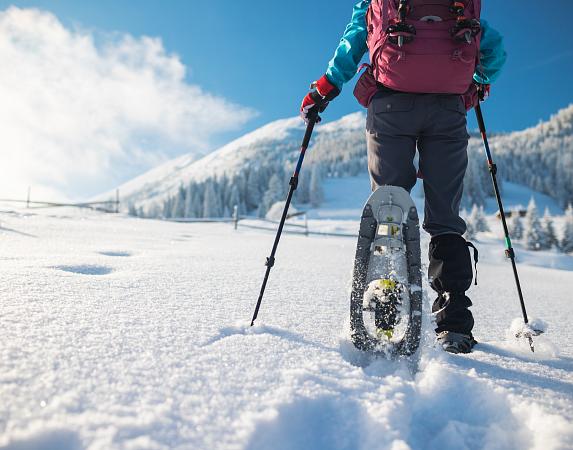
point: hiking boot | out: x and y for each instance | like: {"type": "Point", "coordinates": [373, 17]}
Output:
{"type": "Point", "coordinates": [453, 342]}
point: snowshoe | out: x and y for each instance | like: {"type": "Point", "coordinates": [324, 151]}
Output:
{"type": "Point", "coordinates": [456, 342]}
{"type": "Point", "coordinates": [386, 298]}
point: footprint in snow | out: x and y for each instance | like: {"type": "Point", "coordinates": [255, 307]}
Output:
{"type": "Point", "coordinates": [86, 269]}
{"type": "Point", "coordinates": [53, 439]}
{"type": "Point", "coordinates": [120, 254]}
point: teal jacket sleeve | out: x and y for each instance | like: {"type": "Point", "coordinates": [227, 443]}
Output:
{"type": "Point", "coordinates": [343, 66]}
{"type": "Point", "coordinates": [492, 55]}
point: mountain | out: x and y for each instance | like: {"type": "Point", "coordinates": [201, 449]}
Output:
{"type": "Point", "coordinates": [242, 171]}
{"type": "Point", "coordinates": [541, 157]}
{"type": "Point", "coordinates": [275, 140]}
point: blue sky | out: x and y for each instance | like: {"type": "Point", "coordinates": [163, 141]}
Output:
{"type": "Point", "coordinates": [263, 55]}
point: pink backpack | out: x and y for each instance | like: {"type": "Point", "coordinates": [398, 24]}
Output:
{"type": "Point", "coordinates": [421, 46]}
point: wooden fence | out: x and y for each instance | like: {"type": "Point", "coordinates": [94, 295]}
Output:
{"type": "Point", "coordinates": [259, 224]}
{"type": "Point", "coordinates": [109, 206]}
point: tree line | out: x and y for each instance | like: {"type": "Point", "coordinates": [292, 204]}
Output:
{"type": "Point", "coordinates": [254, 190]}
{"type": "Point", "coordinates": [533, 231]}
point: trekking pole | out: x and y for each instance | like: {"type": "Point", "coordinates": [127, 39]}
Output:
{"type": "Point", "coordinates": [293, 185]}
{"type": "Point", "coordinates": [509, 252]}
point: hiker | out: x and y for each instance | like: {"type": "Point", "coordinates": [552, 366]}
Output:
{"type": "Point", "coordinates": [429, 60]}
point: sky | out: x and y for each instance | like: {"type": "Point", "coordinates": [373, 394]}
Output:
{"type": "Point", "coordinates": [200, 73]}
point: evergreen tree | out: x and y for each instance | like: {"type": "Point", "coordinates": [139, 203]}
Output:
{"type": "Point", "coordinates": [303, 190]}
{"type": "Point", "coordinates": [241, 182]}
{"type": "Point", "coordinates": [316, 191]}
{"type": "Point", "coordinates": [178, 207]}
{"type": "Point", "coordinates": [470, 229]}
{"type": "Point", "coordinates": [515, 225]}
{"type": "Point", "coordinates": [154, 210]}
{"type": "Point", "coordinates": [473, 186]}
{"type": "Point", "coordinates": [131, 210]}
{"type": "Point", "coordinates": [253, 194]}
{"type": "Point", "coordinates": [234, 198]}
{"type": "Point", "coordinates": [167, 208]}
{"type": "Point", "coordinates": [482, 224]}
{"type": "Point", "coordinates": [566, 245]}
{"type": "Point", "coordinates": [196, 210]}
{"type": "Point", "coordinates": [549, 231]}
{"type": "Point", "coordinates": [478, 220]}
{"type": "Point", "coordinates": [273, 194]}
{"type": "Point", "coordinates": [211, 201]}
{"type": "Point", "coordinates": [261, 210]}
{"type": "Point", "coordinates": [534, 234]}
{"type": "Point", "coordinates": [188, 198]}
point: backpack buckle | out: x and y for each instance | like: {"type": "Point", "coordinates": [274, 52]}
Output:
{"type": "Point", "coordinates": [457, 9]}
{"type": "Point", "coordinates": [465, 29]}
{"type": "Point", "coordinates": [401, 33]}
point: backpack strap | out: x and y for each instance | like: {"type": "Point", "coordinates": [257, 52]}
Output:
{"type": "Point", "coordinates": [476, 5]}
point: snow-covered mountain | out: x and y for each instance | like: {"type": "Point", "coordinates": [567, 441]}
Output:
{"type": "Point", "coordinates": [541, 157]}
{"type": "Point", "coordinates": [525, 157]}
{"type": "Point", "coordinates": [266, 143]}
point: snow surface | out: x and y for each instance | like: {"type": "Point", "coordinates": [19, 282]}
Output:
{"type": "Point", "coordinates": [345, 197]}
{"type": "Point", "coordinates": [123, 333]}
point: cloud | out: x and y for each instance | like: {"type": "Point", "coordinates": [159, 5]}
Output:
{"type": "Point", "coordinates": [81, 111]}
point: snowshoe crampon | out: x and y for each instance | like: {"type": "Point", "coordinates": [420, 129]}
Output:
{"type": "Point", "coordinates": [386, 299]}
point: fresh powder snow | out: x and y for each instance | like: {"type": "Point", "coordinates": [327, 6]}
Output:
{"type": "Point", "coordinates": [125, 333]}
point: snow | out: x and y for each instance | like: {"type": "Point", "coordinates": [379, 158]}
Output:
{"type": "Point", "coordinates": [123, 333]}
{"type": "Point", "coordinates": [345, 198]}
{"type": "Point", "coordinates": [276, 211]}
{"type": "Point", "coordinates": [517, 196]}
{"type": "Point", "coordinates": [277, 137]}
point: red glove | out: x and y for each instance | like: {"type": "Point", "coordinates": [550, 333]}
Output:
{"type": "Point", "coordinates": [475, 94]}
{"type": "Point", "coordinates": [316, 101]}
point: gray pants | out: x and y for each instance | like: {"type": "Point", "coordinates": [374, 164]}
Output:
{"type": "Point", "coordinates": [435, 123]}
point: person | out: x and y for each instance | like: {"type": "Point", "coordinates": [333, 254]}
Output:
{"type": "Point", "coordinates": [418, 98]}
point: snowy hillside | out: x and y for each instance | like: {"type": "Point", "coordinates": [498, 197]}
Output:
{"type": "Point", "coordinates": [276, 140]}
{"type": "Point", "coordinates": [339, 149]}
{"type": "Point", "coordinates": [123, 333]}
{"type": "Point", "coordinates": [541, 157]}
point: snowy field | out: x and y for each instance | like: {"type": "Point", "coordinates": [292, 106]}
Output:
{"type": "Point", "coordinates": [122, 333]}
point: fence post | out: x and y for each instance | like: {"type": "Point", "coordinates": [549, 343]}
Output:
{"type": "Point", "coordinates": [305, 225]}
{"type": "Point", "coordinates": [236, 216]}
{"type": "Point", "coordinates": [117, 201]}
{"type": "Point", "coordinates": [28, 199]}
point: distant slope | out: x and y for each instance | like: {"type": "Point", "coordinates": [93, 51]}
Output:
{"type": "Point", "coordinates": [540, 158]}
{"type": "Point", "coordinates": [277, 139]}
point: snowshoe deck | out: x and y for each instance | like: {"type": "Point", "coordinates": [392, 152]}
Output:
{"type": "Point", "coordinates": [387, 280]}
